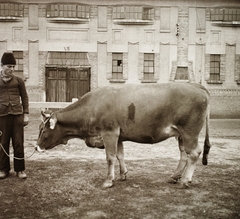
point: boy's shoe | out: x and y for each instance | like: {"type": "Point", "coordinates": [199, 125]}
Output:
{"type": "Point", "coordinates": [3, 174]}
{"type": "Point", "coordinates": [21, 175]}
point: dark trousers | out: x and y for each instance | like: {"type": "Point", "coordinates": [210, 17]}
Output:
{"type": "Point", "coordinates": [11, 127]}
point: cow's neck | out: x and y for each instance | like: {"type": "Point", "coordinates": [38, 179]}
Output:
{"type": "Point", "coordinates": [71, 115]}
{"type": "Point", "coordinates": [74, 122]}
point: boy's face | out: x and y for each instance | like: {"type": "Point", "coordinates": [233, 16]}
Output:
{"type": "Point", "coordinates": [8, 69]}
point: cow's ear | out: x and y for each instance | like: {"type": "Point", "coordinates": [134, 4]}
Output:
{"type": "Point", "coordinates": [53, 121]}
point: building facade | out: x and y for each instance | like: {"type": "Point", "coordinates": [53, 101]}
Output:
{"type": "Point", "coordinates": [65, 49]}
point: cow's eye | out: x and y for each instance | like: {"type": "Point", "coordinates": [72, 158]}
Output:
{"type": "Point", "coordinates": [44, 134]}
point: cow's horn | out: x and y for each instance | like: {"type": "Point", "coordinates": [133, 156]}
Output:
{"type": "Point", "coordinates": [46, 114]}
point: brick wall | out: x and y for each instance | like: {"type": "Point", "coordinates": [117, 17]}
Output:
{"type": "Point", "coordinates": [183, 36]}
{"type": "Point", "coordinates": [94, 71]}
{"type": "Point", "coordinates": [37, 93]}
{"type": "Point", "coordinates": [237, 68]}
{"type": "Point", "coordinates": [225, 103]}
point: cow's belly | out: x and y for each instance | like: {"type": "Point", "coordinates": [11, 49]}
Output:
{"type": "Point", "coordinates": [147, 139]}
{"type": "Point", "coordinates": [149, 136]}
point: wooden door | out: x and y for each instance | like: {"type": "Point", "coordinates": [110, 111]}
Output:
{"type": "Point", "coordinates": [64, 84]}
{"type": "Point", "coordinates": [56, 85]}
{"type": "Point", "coordinates": [79, 83]}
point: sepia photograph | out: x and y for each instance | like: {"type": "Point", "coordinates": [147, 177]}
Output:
{"type": "Point", "coordinates": [123, 109]}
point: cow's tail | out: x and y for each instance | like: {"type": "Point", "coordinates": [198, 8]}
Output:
{"type": "Point", "coordinates": [207, 145]}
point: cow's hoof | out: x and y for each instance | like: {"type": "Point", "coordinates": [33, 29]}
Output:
{"type": "Point", "coordinates": [171, 180]}
{"type": "Point", "coordinates": [108, 184]}
{"type": "Point", "coordinates": [183, 186]}
{"type": "Point", "coordinates": [123, 176]}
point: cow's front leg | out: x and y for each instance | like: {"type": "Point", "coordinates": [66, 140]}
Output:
{"type": "Point", "coordinates": [110, 139]}
{"type": "Point", "coordinates": [122, 165]}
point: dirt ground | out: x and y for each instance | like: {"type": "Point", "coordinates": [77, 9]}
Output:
{"type": "Point", "coordinates": [65, 182]}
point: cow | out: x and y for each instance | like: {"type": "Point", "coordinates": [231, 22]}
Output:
{"type": "Point", "coordinates": [144, 113]}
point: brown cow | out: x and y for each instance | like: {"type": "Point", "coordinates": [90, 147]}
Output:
{"type": "Point", "coordinates": [149, 113]}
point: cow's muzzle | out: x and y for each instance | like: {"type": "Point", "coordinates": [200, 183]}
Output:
{"type": "Point", "coordinates": [37, 148]}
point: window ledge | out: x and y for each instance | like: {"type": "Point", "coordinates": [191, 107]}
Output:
{"type": "Point", "coordinates": [68, 20]}
{"type": "Point", "coordinates": [226, 23]}
{"type": "Point", "coordinates": [181, 81]}
{"type": "Point", "coordinates": [132, 21]}
{"type": "Point", "coordinates": [200, 31]}
{"type": "Point", "coordinates": [10, 19]}
{"type": "Point", "coordinates": [165, 31]}
{"type": "Point", "coordinates": [214, 82]}
{"type": "Point", "coordinates": [102, 29]}
{"type": "Point", "coordinates": [117, 80]}
{"type": "Point", "coordinates": [149, 81]}
{"type": "Point", "coordinates": [33, 28]}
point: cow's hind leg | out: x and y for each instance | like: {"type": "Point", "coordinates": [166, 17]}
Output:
{"type": "Point", "coordinates": [181, 165]}
{"type": "Point", "coordinates": [110, 140]}
{"type": "Point", "coordinates": [122, 165]}
{"type": "Point", "coordinates": [193, 151]}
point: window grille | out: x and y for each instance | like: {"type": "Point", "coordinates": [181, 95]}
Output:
{"type": "Point", "coordinates": [231, 14]}
{"type": "Point", "coordinates": [225, 14]}
{"type": "Point", "coordinates": [118, 12]}
{"type": "Point", "coordinates": [148, 13]}
{"type": "Point", "coordinates": [148, 68]}
{"type": "Point", "coordinates": [83, 11]}
{"type": "Point", "coordinates": [117, 66]}
{"type": "Point", "coordinates": [68, 11]}
{"type": "Point", "coordinates": [214, 67]}
{"type": "Point", "coordinates": [133, 12]}
{"type": "Point", "coordinates": [19, 63]}
{"type": "Point", "coordinates": [11, 10]}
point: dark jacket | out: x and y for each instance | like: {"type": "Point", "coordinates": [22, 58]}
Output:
{"type": "Point", "coordinates": [13, 97]}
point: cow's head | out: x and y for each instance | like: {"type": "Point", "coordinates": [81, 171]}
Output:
{"type": "Point", "coordinates": [51, 133]}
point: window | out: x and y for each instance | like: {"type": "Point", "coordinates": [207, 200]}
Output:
{"type": "Point", "coordinates": [148, 68]}
{"type": "Point", "coordinates": [118, 12]}
{"type": "Point", "coordinates": [148, 13]}
{"type": "Point", "coordinates": [225, 14]}
{"type": "Point", "coordinates": [215, 67]}
{"type": "Point", "coordinates": [117, 66]}
{"type": "Point", "coordinates": [182, 73]}
{"type": "Point", "coordinates": [231, 14]}
{"type": "Point", "coordinates": [68, 11]}
{"type": "Point", "coordinates": [19, 63]}
{"type": "Point", "coordinates": [11, 10]}
{"type": "Point", "coordinates": [83, 11]}
{"type": "Point", "coordinates": [216, 14]}
{"type": "Point", "coordinates": [133, 12]}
